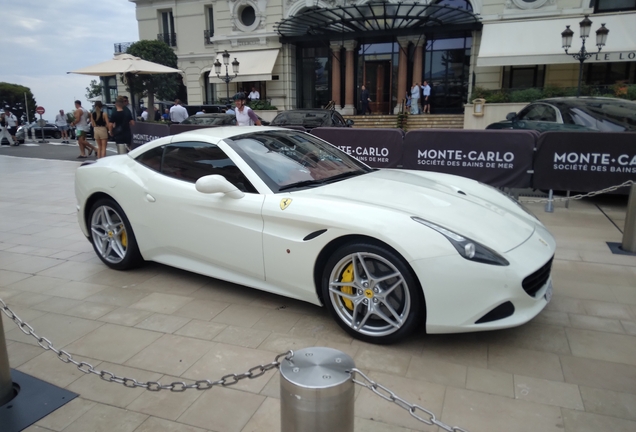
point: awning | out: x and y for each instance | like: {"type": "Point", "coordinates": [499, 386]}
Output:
{"type": "Point", "coordinates": [254, 65]}
{"type": "Point", "coordinates": [513, 43]}
{"type": "Point", "coordinates": [375, 19]}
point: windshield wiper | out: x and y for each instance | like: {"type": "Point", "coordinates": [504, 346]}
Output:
{"type": "Point", "coordinates": [321, 181]}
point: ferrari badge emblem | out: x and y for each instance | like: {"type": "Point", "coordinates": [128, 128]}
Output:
{"type": "Point", "coordinates": [284, 203]}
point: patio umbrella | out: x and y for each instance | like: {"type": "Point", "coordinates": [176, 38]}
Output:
{"type": "Point", "coordinates": [124, 64]}
{"type": "Point", "coordinates": [128, 65]}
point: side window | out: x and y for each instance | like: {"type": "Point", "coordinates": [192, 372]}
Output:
{"type": "Point", "coordinates": [190, 161]}
{"type": "Point", "coordinates": [151, 158]}
{"type": "Point", "coordinates": [337, 120]}
{"type": "Point", "coordinates": [538, 112]}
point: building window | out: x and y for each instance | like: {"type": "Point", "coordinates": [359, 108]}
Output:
{"type": "Point", "coordinates": [609, 73]}
{"type": "Point", "coordinates": [167, 31]}
{"type": "Point", "coordinates": [613, 5]}
{"type": "Point", "coordinates": [248, 16]}
{"type": "Point", "coordinates": [460, 4]}
{"type": "Point", "coordinates": [210, 15]}
{"type": "Point", "coordinates": [516, 77]}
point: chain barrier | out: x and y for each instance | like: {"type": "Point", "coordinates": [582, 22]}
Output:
{"type": "Point", "coordinates": [177, 386]}
{"type": "Point", "coordinates": [580, 196]}
{"type": "Point", "coordinates": [416, 411]}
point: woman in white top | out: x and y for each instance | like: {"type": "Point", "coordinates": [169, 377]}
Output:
{"type": "Point", "coordinates": [244, 114]}
{"type": "Point", "coordinates": [62, 125]}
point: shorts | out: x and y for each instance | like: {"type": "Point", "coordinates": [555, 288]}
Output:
{"type": "Point", "coordinates": [79, 132]}
{"type": "Point", "coordinates": [426, 102]}
{"type": "Point", "coordinates": [12, 130]}
{"type": "Point", "coordinates": [63, 128]}
{"type": "Point", "coordinates": [100, 133]}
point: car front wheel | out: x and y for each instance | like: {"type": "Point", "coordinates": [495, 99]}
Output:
{"type": "Point", "coordinates": [57, 135]}
{"type": "Point", "coordinates": [112, 236]}
{"type": "Point", "coordinates": [372, 293]}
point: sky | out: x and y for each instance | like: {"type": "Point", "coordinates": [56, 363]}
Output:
{"type": "Point", "coordinates": [43, 40]}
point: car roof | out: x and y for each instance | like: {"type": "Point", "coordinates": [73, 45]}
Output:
{"type": "Point", "coordinates": [211, 115]}
{"type": "Point", "coordinates": [587, 100]}
{"type": "Point", "coordinates": [212, 134]}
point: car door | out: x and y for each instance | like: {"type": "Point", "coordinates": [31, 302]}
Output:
{"type": "Point", "coordinates": [207, 233]}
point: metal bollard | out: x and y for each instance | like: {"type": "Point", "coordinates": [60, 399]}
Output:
{"type": "Point", "coordinates": [6, 385]}
{"type": "Point", "coordinates": [122, 149]}
{"type": "Point", "coordinates": [549, 206]}
{"type": "Point", "coordinates": [316, 391]}
{"type": "Point", "coordinates": [629, 233]}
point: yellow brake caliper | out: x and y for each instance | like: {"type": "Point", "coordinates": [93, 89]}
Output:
{"type": "Point", "coordinates": [347, 276]}
{"type": "Point", "coordinates": [124, 238]}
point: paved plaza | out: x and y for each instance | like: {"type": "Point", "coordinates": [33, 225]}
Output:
{"type": "Point", "coordinates": [573, 368]}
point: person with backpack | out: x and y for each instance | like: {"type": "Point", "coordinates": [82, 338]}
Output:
{"type": "Point", "coordinates": [99, 120]}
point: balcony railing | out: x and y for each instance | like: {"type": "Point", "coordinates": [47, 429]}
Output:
{"type": "Point", "coordinates": [169, 38]}
{"type": "Point", "coordinates": [122, 47]}
{"type": "Point", "coordinates": [207, 35]}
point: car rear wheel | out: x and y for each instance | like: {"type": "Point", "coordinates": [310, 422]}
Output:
{"type": "Point", "coordinates": [372, 293]}
{"type": "Point", "coordinates": [57, 135]}
{"type": "Point", "coordinates": [112, 236]}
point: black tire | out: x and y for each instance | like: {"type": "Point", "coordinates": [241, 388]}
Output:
{"type": "Point", "coordinates": [57, 135]}
{"type": "Point", "coordinates": [112, 233]}
{"type": "Point", "coordinates": [406, 299]}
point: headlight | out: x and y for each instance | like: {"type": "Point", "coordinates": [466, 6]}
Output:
{"type": "Point", "coordinates": [466, 247]}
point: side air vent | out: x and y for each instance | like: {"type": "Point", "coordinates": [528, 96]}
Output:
{"type": "Point", "coordinates": [314, 234]}
{"type": "Point", "coordinates": [536, 280]}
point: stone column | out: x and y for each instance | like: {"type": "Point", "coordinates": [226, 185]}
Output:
{"type": "Point", "coordinates": [335, 74]}
{"type": "Point", "coordinates": [350, 107]}
{"type": "Point", "coordinates": [418, 61]}
{"type": "Point", "coordinates": [402, 73]}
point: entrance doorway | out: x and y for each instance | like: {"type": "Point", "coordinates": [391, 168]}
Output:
{"type": "Point", "coordinates": [377, 79]}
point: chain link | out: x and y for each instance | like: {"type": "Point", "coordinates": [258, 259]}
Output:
{"type": "Point", "coordinates": [416, 411]}
{"type": "Point", "coordinates": [581, 196]}
{"type": "Point", "coordinates": [177, 386]}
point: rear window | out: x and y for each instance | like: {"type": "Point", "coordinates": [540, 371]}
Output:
{"type": "Point", "coordinates": [311, 119]}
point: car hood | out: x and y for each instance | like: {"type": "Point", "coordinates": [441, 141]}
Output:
{"type": "Point", "coordinates": [464, 206]}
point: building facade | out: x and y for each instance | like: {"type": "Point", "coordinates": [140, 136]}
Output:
{"type": "Point", "coordinates": [306, 53]}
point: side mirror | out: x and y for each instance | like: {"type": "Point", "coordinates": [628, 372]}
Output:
{"type": "Point", "coordinates": [218, 184]}
{"type": "Point", "coordinates": [349, 122]}
{"type": "Point", "coordinates": [511, 116]}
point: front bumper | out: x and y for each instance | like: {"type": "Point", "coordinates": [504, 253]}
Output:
{"type": "Point", "coordinates": [459, 292]}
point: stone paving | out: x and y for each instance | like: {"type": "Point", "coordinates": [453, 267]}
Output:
{"type": "Point", "coordinates": [572, 368]}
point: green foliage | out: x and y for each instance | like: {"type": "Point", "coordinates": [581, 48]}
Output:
{"type": "Point", "coordinates": [13, 95]}
{"type": "Point", "coordinates": [165, 86]}
{"type": "Point", "coordinates": [94, 89]}
{"type": "Point", "coordinates": [623, 91]}
{"type": "Point", "coordinates": [261, 105]}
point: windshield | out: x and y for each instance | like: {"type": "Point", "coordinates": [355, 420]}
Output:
{"type": "Point", "coordinates": [289, 159]}
{"type": "Point", "coordinates": [208, 121]}
{"type": "Point", "coordinates": [304, 118]}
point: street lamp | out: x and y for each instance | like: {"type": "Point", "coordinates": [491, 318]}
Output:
{"type": "Point", "coordinates": [227, 78]}
{"type": "Point", "coordinates": [582, 55]}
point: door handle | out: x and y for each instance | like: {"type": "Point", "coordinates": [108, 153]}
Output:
{"type": "Point", "coordinates": [150, 198]}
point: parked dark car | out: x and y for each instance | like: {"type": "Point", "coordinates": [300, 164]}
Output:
{"type": "Point", "coordinates": [216, 120]}
{"type": "Point", "coordinates": [311, 118]}
{"type": "Point", "coordinates": [571, 113]}
{"type": "Point", "coordinates": [209, 109]}
{"type": "Point", "coordinates": [35, 131]}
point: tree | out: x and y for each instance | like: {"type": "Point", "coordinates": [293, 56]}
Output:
{"type": "Point", "coordinates": [163, 85]}
{"type": "Point", "coordinates": [94, 89]}
{"type": "Point", "coordinates": [13, 96]}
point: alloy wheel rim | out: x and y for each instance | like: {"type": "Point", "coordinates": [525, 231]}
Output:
{"type": "Point", "coordinates": [109, 234]}
{"type": "Point", "coordinates": [377, 301]}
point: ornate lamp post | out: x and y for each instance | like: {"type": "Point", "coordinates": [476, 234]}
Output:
{"type": "Point", "coordinates": [582, 55]}
{"type": "Point", "coordinates": [227, 78]}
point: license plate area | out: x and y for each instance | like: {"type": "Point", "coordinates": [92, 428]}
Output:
{"type": "Point", "coordinates": [548, 292]}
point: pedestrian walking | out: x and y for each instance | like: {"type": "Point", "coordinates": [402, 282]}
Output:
{"type": "Point", "coordinates": [415, 98]}
{"type": "Point", "coordinates": [81, 127]}
{"type": "Point", "coordinates": [11, 122]}
{"type": "Point", "coordinates": [4, 133]}
{"type": "Point", "coordinates": [426, 99]}
{"type": "Point", "coordinates": [178, 113]}
{"type": "Point", "coordinates": [364, 100]}
{"type": "Point", "coordinates": [120, 122]}
{"type": "Point", "coordinates": [99, 120]}
{"type": "Point", "coordinates": [62, 125]}
{"type": "Point", "coordinates": [244, 114]}
{"type": "Point", "coordinates": [144, 114]}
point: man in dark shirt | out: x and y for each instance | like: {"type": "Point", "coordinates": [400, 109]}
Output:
{"type": "Point", "coordinates": [364, 100]}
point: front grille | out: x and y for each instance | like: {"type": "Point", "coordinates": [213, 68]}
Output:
{"type": "Point", "coordinates": [536, 280]}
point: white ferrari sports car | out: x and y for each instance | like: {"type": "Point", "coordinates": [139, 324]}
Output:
{"type": "Point", "coordinates": [283, 211]}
